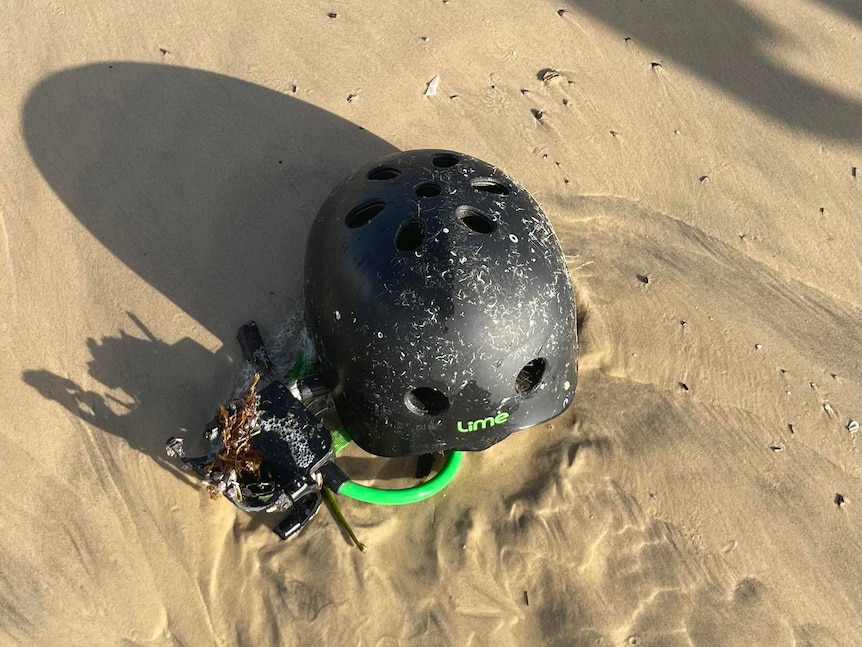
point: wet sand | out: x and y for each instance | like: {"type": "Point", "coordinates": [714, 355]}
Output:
{"type": "Point", "coordinates": [700, 164]}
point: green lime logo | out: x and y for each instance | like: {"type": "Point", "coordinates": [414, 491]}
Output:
{"type": "Point", "coordinates": [482, 423]}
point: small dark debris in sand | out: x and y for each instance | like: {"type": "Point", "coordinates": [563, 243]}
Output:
{"type": "Point", "coordinates": [703, 179]}
{"type": "Point", "coordinates": [524, 90]}
{"type": "Point", "coordinates": [164, 51]}
{"type": "Point", "coordinates": [332, 14]}
{"type": "Point", "coordinates": [683, 323]}
{"type": "Point", "coordinates": [526, 598]}
{"type": "Point", "coordinates": [776, 448]}
{"type": "Point", "coordinates": [565, 102]}
{"type": "Point", "coordinates": [538, 114]}
{"type": "Point", "coordinates": [656, 65]}
{"type": "Point", "coordinates": [839, 500]}
{"type": "Point", "coordinates": [350, 98]}
{"type": "Point", "coordinates": [853, 171]}
{"type": "Point", "coordinates": [614, 133]}
{"type": "Point", "coordinates": [627, 39]}
{"type": "Point", "coordinates": [292, 88]}
{"type": "Point", "coordinates": [643, 278]}
{"type": "Point", "coordinates": [548, 74]}
{"type": "Point", "coordinates": [424, 39]}
{"type": "Point", "coordinates": [561, 12]}
{"type": "Point", "coordinates": [684, 386]}
{"type": "Point", "coordinates": [791, 428]}
{"type": "Point", "coordinates": [566, 180]}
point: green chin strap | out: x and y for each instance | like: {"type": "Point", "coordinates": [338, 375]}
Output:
{"type": "Point", "coordinates": [414, 494]}
{"type": "Point", "coordinates": [304, 366]}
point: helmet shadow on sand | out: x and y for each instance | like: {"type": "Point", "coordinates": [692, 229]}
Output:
{"type": "Point", "coordinates": [205, 186]}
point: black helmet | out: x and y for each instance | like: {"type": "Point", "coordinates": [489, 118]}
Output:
{"type": "Point", "coordinates": [439, 305]}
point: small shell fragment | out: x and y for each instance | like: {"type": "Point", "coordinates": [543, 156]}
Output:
{"type": "Point", "coordinates": [431, 90]}
{"type": "Point", "coordinates": [852, 426]}
{"type": "Point", "coordinates": [758, 346]}
{"type": "Point", "coordinates": [828, 409]}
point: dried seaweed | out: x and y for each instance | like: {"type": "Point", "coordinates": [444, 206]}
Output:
{"type": "Point", "coordinates": [239, 422]}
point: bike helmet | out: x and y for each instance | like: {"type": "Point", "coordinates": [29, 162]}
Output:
{"type": "Point", "coordinates": [439, 305]}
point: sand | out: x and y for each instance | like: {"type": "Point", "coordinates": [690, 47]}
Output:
{"type": "Point", "coordinates": [699, 161]}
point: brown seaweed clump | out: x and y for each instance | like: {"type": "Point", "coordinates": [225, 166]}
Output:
{"type": "Point", "coordinates": [239, 422]}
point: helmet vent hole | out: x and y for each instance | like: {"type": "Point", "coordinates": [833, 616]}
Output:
{"type": "Point", "coordinates": [490, 186]}
{"type": "Point", "coordinates": [476, 220]}
{"type": "Point", "coordinates": [428, 190]}
{"type": "Point", "coordinates": [410, 235]}
{"type": "Point", "coordinates": [444, 160]}
{"type": "Point", "coordinates": [426, 401]}
{"type": "Point", "coordinates": [530, 377]}
{"type": "Point", "coordinates": [363, 214]}
{"type": "Point", "coordinates": [383, 173]}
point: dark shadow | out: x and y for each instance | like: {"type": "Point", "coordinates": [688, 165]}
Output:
{"type": "Point", "coordinates": [205, 186]}
{"type": "Point", "coordinates": [156, 382]}
{"type": "Point", "coordinates": [368, 468]}
{"type": "Point", "coordinates": [725, 44]}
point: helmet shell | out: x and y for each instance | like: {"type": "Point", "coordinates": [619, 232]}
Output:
{"type": "Point", "coordinates": [439, 304]}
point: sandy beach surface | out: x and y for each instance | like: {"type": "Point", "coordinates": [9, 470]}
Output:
{"type": "Point", "coordinates": [700, 162]}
